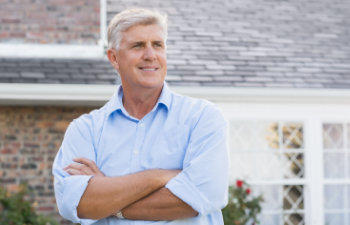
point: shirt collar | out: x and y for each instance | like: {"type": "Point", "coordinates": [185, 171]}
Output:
{"type": "Point", "coordinates": [165, 96]}
{"type": "Point", "coordinates": [116, 103]}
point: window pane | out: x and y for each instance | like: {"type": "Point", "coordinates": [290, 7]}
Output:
{"type": "Point", "coordinates": [334, 219]}
{"type": "Point", "coordinates": [254, 136]}
{"type": "Point", "coordinates": [333, 136]}
{"type": "Point", "coordinates": [293, 135]}
{"type": "Point", "coordinates": [334, 165]}
{"type": "Point", "coordinates": [254, 166]}
{"type": "Point", "coordinates": [348, 139]}
{"type": "Point", "coordinates": [348, 165]}
{"type": "Point", "coordinates": [293, 165]}
{"type": "Point", "coordinates": [348, 199]}
{"type": "Point", "coordinates": [334, 196]}
{"type": "Point", "coordinates": [293, 197]}
{"type": "Point", "coordinates": [272, 197]}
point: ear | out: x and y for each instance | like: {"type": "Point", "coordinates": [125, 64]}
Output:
{"type": "Point", "coordinates": [112, 57]}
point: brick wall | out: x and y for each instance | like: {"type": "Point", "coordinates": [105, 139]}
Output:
{"type": "Point", "coordinates": [29, 140]}
{"type": "Point", "coordinates": [49, 21]}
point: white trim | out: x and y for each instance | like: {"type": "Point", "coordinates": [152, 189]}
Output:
{"type": "Point", "coordinates": [54, 94]}
{"type": "Point", "coordinates": [66, 94]}
{"type": "Point", "coordinates": [263, 95]}
{"type": "Point", "coordinates": [51, 51]}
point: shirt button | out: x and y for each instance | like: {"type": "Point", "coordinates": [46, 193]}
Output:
{"type": "Point", "coordinates": [136, 152]}
{"type": "Point", "coordinates": [142, 125]}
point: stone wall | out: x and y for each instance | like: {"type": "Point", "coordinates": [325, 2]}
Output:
{"type": "Point", "coordinates": [29, 140]}
{"type": "Point", "coordinates": [50, 21]}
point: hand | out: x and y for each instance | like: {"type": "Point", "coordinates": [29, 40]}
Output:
{"type": "Point", "coordinates": [83, 166]}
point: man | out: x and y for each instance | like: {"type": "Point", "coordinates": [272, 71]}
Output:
{"type": "Point", "coordinates": [149, 155]}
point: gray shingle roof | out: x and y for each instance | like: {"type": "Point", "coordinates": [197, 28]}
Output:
{"type": "Point", "coordinates": [250, 43]}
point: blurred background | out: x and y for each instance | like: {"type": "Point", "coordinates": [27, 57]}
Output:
{"type": "Point", "coordinates": [279, 70]}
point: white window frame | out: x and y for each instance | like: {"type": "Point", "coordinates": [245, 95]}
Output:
{"type": "Point", "coordinates": [65, 51]}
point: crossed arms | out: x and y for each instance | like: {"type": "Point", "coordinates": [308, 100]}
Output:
{"type": "Point", "coordinates": [82, 191]}
{"type": "Point", "coordinates": [140, 196]}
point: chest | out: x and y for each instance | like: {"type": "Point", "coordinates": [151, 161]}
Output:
{"type": "Point", "coordinates": [136, 146]}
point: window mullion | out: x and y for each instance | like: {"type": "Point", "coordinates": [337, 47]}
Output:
{"type": "Point", "coordinates": [314, 171]}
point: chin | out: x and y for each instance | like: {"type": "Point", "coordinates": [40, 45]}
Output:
{"type": "Point", "coordinates": [153, 84]}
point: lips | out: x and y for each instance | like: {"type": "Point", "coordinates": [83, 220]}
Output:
{"type": "Point", "coordinates": [148, 68]}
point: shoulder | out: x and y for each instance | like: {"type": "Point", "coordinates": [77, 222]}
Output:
{"type": "Point", "coordinates": [194, 110]}
{"type": "Point", "coordinates": [91, 120]}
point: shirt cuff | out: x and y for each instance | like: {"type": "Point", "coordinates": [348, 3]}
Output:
{"type": "Point", "coordinates": [74, 188]}
{"type": "Point", "coordinates": [182, 187]}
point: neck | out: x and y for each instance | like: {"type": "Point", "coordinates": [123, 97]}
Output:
{"type": "Point", "coordinates": [139, 103]}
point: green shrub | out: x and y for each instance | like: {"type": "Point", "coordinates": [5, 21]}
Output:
{"type": "Point", "coordinates": [16, 210]}
{"type": "Point", "coordinates": [242, 207]}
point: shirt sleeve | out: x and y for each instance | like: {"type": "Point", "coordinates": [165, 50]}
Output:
{"type": "Point", "coordinates": [203, 182]}
{"type": "Point", "coordinates": [77, 142]}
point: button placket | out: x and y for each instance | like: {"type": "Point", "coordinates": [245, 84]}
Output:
{"type": "Point", "coordinates": [140, 135]}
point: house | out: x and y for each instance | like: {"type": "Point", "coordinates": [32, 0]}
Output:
{"type": "Point", "coordinates": [279, 70]}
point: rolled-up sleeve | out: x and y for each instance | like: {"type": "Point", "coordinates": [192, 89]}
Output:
{"type": "Point", "coordinates": [69, 189]}
{"type": "Point", "coordinates": [203, 182]}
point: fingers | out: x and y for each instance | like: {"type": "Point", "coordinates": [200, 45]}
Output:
{"type": "Point", "coordinates": [72, 171]}
{"type": "Point", "coordinates": [85, 161]}
{"type": "Point", "coordinates": [78, 169]}
{"type": "Point", "coordinates": [84, 166]}
{"type": "Point", "coordinates": [91, 164]}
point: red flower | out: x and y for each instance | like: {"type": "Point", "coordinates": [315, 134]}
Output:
{"type": "Point", "coordinates": [239, 183]}
{"type": "Point", "coordinates": [248, 191]}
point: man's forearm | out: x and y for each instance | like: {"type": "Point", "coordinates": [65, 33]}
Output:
{"type": "Point", "coordinates": [107, 195]}
{"type": "Point", "coordinates": [160, 205]}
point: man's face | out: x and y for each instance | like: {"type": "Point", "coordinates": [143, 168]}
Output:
{"type": "Point", "coordinates": [141, 58]}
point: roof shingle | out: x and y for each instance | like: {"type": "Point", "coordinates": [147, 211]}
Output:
{"type": "Point", "coordinates": [251, 43]}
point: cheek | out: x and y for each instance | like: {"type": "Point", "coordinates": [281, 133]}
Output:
{"type": "Point", "coordinates": [163, 60]}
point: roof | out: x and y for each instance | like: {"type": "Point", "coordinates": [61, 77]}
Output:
{"type": "Point", "coordinates": [250, 43]}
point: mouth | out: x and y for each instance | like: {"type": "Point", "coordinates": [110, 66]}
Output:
{"type": "Point", "coordinates": [148, 68]}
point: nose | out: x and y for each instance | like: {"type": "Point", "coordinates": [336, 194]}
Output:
{"type": "Point", "coordinates": [149, 53]}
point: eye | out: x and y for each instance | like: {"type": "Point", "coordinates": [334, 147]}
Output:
{"type": "Point", "coordinates": [137, 45]}
{"type": "Point", "coordinates": [158, 44]}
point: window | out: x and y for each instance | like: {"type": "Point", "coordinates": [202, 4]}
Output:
{"type": "Point", "coordinates": [270, 155]}
{"type": "Point", "coordinates": [297, 156]}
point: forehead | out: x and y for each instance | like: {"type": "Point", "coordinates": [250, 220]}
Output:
{"type": "Point", "coordinates": [143, 33]}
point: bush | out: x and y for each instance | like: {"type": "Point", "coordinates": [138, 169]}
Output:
{"type": "Point", "coordinates": [16, 210]}
{"type": "Point", "coordinates": [242, 207]}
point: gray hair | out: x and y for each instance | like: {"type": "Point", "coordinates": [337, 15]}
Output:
{"type": "Point", "coordinates": [131, 17]}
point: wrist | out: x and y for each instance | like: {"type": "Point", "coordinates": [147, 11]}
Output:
{"type": "Point", "coordinates": [159, 177]}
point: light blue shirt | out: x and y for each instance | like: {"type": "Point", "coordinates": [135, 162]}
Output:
{"type": "Point", "coordinates": [179, 133]}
